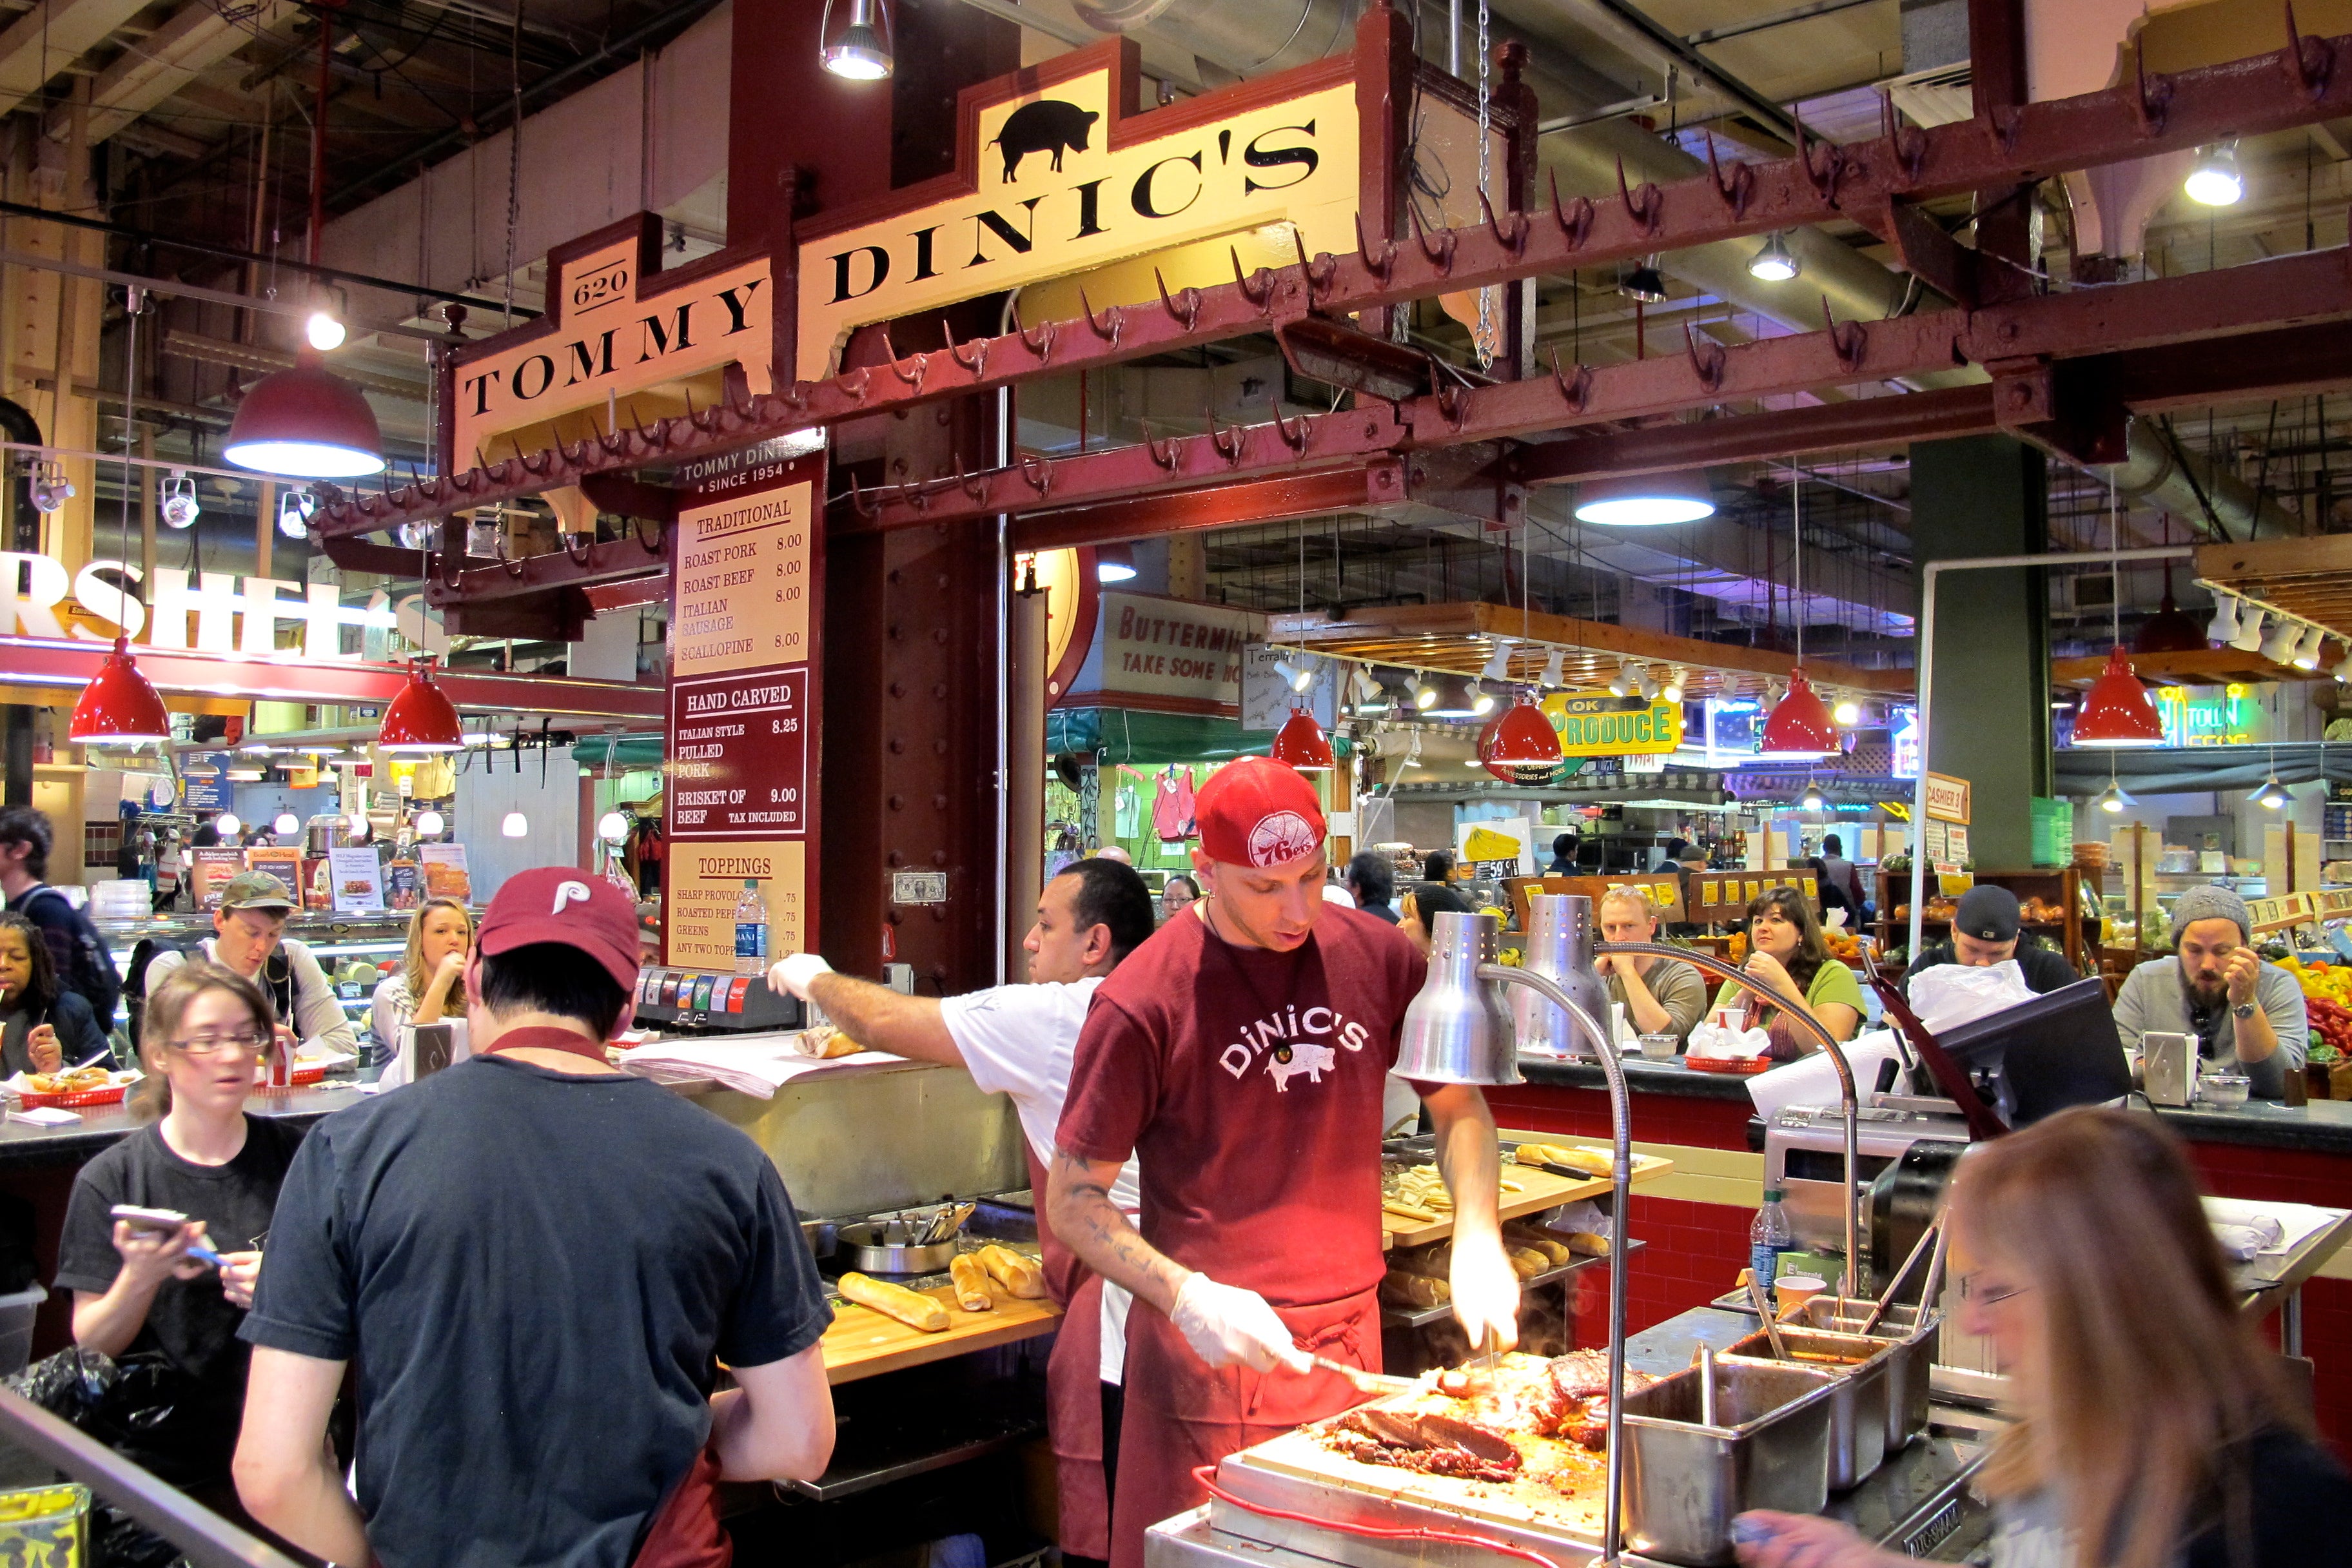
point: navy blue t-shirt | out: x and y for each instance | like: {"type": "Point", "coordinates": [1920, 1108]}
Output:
{"type": "Point", "coordinates": [534, 1273]}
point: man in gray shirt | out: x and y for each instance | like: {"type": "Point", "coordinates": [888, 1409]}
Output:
{"type": "Point", "coordinates": [1660, 997]}
{"type": "Point", "coordinates": [2247, 1015]}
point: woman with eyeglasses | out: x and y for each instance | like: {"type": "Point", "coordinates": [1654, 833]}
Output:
{"type": "Point", "coordinates": [156, 1287]}
{"type": "Point", "coordinates": [2153, 1429]}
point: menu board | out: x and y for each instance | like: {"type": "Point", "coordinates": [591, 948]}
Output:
{"type": "Point", "coordinates": [739, 805]}
{"type": "Point", "coordinates": [358, 878]}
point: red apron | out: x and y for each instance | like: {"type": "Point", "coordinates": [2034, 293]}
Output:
{"type": "Point", "coordinates": [1074, 1388]}
{"type": "Point", "coordinates": [686, 1532]}
{"type": "Point", "coordinates": [1182, 1412]}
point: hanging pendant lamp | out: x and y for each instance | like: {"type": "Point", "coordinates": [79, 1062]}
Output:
{"type": "Point", "coordinates": [1521, 746]}
{"type": "Point", "coordinates": [2171, 629]}
{"type": "Point", "coordinates": [120, 707]}
{"type": "Point", "coordinates": [421, 719]}
{"type": "Point", "coordinates": [2116, 710]}
{"type": "Point", "coordinates": [1800, 725]}
{"type": "Point", "coordinates": [306, 423]}
{"type": "Point", "coordinates": [1302, 743]}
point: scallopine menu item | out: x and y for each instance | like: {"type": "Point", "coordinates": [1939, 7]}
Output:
{"type": "Point", "coordinates": [443, 865]}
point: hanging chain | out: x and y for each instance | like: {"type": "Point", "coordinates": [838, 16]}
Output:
{"type": "Point", "coordinates": [1483, 341]}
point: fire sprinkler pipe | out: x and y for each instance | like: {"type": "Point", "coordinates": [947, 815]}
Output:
{"type": "Point", "coordinates": [1928, 577]}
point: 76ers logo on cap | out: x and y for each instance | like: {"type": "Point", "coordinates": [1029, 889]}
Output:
{"type": "Point", "coordinates": [1281, 838]}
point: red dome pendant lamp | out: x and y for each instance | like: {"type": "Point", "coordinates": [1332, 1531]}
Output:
{"type": "Point", "coordinates": [421, 719]}
{"type": "Point", "coordinates": [1521, 746]}
{"type": "Point", "coordinates": [1302, 743]}
{"type": "Point", "coordinates": [2116, 710]}
{"type": "Point", "coordinates": [120, 707]}
{"type": "Point", "coordinates": [1800, 725]}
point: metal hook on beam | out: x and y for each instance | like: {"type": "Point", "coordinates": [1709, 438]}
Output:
{"type": "Point", "coordinates": [1441, 256]}
{"type": "Point", "coordinates": [914, 381]}
{"type": "Point", "coordinates": [1189, 313]}
{"type": "Point", "coordinates": [1851, 339]}
{"type": "Point", "coordinates": [1575, 391]}
{"type": "Point", "coordinates": [1734, 193]}
{"type": "Point", "coordinates": [1379, 266]}
{"type": "Point", "coordinates": [1261, 296]}
{"type": "Point", "coordinates": [1575, 219]}
{"type": "Point", "coordinates": [1706, 359]}
{"type": "Point", "coordinates": [1109, 326]}
{"type": "Point", "coordinates": [1642, 204]}
{"type": "Point", "coordinates": [2309, 62]}
{"type": "Point", "coordinates": [1516, 241]}
{"type": "Point", "coordinates": [1038, 472]}
{"type": "Point", "coordinates": [1162, 452]}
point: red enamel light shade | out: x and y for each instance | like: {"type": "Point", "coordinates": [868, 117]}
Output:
{"type": "Point", "coordinates": [421, 718]}
{"type": "Point", "coordinates": [1800, 726]}
{"type": "Point", "coordinates": [304, 422]}
{"type": "Point", "coordinates": [1302, 743]}
{"type": "Point", "coordinates": [2116, 710]}
{"type": "Point", "coordinates": [120, 708]}
{"type": "Point", "coordinates": [1521, 746]}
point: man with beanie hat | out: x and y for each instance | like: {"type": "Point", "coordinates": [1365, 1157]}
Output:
{"type": "Point", "coordinates": [2247, 1015]}
{"type": "Point", "coordinates": [1241, 1056]}
{"type": "Point", "coordinates": [1988, 929]}
{"type": "Point", "coordinates": [536, 1263]}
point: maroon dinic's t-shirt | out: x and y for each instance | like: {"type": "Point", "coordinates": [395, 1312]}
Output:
{"type": "Point", "coordinates": [1248, 1084]}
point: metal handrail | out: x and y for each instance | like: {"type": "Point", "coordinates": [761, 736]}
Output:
{"type": "Point", "coordinates": [208, 1539]}
{"type": "Point", "coordinates": [1849, 1102]}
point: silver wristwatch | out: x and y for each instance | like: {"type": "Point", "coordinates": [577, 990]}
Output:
{"type": "Point", "coordinates": [2242, 1010]}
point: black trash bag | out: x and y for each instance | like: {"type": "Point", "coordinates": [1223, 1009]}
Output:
{"type": "Point", "coordinates": [144, 1409]}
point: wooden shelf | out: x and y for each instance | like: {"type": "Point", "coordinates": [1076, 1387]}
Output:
{"type": "Point", "coordinates": [1539, 1190]}
{"type": "Point", "coordinates": [2061, 885]}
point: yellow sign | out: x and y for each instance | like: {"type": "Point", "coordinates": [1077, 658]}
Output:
{"type": "Point", "coordinates": [743, 582]}
{"type": "Point", "coordinates": [703, 883]}
{"type": "Point", "coordinates": [1947, 798]}
{"type": "Point", "coordinates": [1055, 178]}
{"type": "Point", "coordinates": [1598, 724]}
{"type": "Point", "coordinates": [616, 326]}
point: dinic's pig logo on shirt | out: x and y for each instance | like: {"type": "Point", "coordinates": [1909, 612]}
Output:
{"type": "Point", "coordinates": [1292, 1040]}
{"type": "Point", "coordinates": [1281, 838]}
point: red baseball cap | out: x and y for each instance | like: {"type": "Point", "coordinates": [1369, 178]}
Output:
{"type": "Point", "coordinates": [559, 904]}
{"type": "Point", "coordinates": [1258, 812]}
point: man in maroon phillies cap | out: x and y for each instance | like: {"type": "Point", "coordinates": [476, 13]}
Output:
{"type": "Point", "coordinates": [1240, 1055]}
{"type": "Point", "coordinates": [482, 1243]}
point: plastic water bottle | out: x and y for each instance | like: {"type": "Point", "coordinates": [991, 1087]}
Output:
{"type": "Point", "coordinates": [1768, 1235]}
{"type": "Point", "coordinates": [752, 936]}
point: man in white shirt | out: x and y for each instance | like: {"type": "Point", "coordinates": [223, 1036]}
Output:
{"type": "Point", "coordinates": [1016, 1040]}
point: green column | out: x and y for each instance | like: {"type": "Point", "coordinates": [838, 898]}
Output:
{"type": "Point", "coordinates": [1989, 723]}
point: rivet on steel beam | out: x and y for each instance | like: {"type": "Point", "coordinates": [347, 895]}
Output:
{"type": "Point", "coordinates": [1108, 325]}
{"type": "Point", "coordinates": [1379, 266]}
{"type": "Point", "coordinates": [1850, 338]}
{"type": "Point", "coordinates": [1516, 241]}
{"type": "Point", "coordinates": [1189, 312]}
{"type": "Point", "coordinates": [978, 363]}
{"type": "Point", "coordinates": [1908, 142]}
{"type": "Point", "coordinates": [1441, 256]}
{"type": "Point", "coordinates": [1735, 191]}
{"type": "Point", "coordinates": [1576, 390]}
{"type": "Point", "coordinates": [1642, 205]}
{"type": "Point", "coordinates": [1038, 472]}
{"type": "Point", "coordinates": [1230, 453]}
{"type": "Point", "coordinates": [1162, 452]}
{"type": "Point", "coordinates": [1261, 296]}
{"type": "Point", "coordinates": [1452, 403]}
{"type": "Point", "coordinates": [1706, 359]}
{"type": "Point", "coordinates": [914, 380]}
{"type": "Point", "coordinates": [2151, 97]}
{"type": "Point", "coordinates": [2308, 61]}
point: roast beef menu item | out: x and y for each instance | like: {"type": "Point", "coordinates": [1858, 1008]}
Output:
{"type": "Point", "coordinates": [1470, 1423]}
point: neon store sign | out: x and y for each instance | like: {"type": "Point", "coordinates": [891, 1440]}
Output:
{"type": "Point", "coordinates": [228, 613]}
{"type": "Point", "coordinates": [2192, 718]}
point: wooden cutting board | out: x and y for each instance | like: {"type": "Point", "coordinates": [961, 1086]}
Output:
{"type": "Point", "coordinates": [863, 1342]}
{"type": "Point", "coordinates": [1539, 1190]}
{"type": "Point", "coordinates": [1563, 1499]}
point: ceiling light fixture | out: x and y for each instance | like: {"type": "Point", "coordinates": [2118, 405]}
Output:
{"type": "Point", "coordinates": [294, 513]}
{"type": "Point", "coordinates": [1302, 744]}
{"type": "Point", "coordinates": [421, 719]}
{"type": "Point", "coordinates": [1799, 726]}
{"type": "Point", "coordinates": [2279, 646]}
{"type": "Point", "coordinates": [287, 823]}
{"type": "Point", "coordinates": [429, 825]}
{"type": "Point", "coordinates": [2171, 629]}
{"type": "Point", "coordinates": [2306, 652]}
{"type": "Point", "coordinates": [1499, 664]}
{"type": "Point", "coordinates": [514, 824]}
{"type": "Point", "coordinates": [120, 707]}
{"type": "Point", "coordinates": [2216, 180]}
{"type": "Point", "coordinates": [1453, 700]}
{"type": "Point", "coordinates": [859, 49]}
{"type": "Point", "coordinates": [1776, 263]}
{"type": "Point", "coordinates": [1521, 746]}
{"type": "Point", "coordinates": [2342, 671]}
{"type": "Point", "coordinates": [612, 827]}
{"type": "Point", "coordinates": [2113, 798]}
{"type": "Point", "coordinates": [1645, 283]}
{"type": "Point", "coordinates": [1645, 686]}
{"type": "Point", "coordinates": [2116, 710]}
{"type": "Point", "coordinates": [325, 333]}
{"type": "Point", "coordinates": [1555, 676]}
{"type": "Point", "coordinates": [1620, 682]}
{"type": "Point", "coordinates": [1650, 500]}
{"type": "Point", "coordinates": [1423, 692]}
{"type": "Point", "coordinates": [2224, 627]}
{"type": "Point", "coordinates": [1114, 563]}
{"type": "Point", "coordinates": [2250, 630]}
{"type": "Point", "coordinates": [1812, 799]}
{"type": "Point", "coordinates": [227, 825]}
{"type": "Point", "coordinates": [1672, 691]}
{"type": "Point", "coordinates": [306, 423]}
{"type": "Point", "coordinates": [1848, 713]}
{"type": "Point", "coordinates": [2273, 796]}
{"type": "Point", "coordinates": [181, 507]}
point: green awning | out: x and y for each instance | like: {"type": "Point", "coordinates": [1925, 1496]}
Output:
{"type": "Point", "coordinates": [1147, 740]}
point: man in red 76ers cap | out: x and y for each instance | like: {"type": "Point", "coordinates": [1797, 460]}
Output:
{"type": "Point", "coordinates": [1240, 1055]}
{"type": "Point", "coordinates": [482, 1240]}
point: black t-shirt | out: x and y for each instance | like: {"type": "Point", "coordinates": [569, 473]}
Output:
{"type": "Point", "coordinates": [2295, 1509]}
{"type": "Point", "coordinates": [534, 1272]}
{"type": "Point", "coordinates": [190, 1321]}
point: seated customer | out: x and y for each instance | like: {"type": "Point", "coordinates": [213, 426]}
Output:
{"type": "Point", "coordinates": [1787, 951]}
{"type": "Point", "coordinates": [1423, 905]}
{"type": "Point", "coordinates": [1660, 995]}
{"type": "Point", "coordinates": [43, 1027]}
{"type": "Point", "coordinates": [2150, 1413]}
{"type": "Point", "coordinates": [1985, 932]}
{"type": "Point", "coordinates": [2247, 1015]}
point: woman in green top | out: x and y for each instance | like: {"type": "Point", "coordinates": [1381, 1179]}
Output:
{"type": "Point", "coordinates": [1787, 951]}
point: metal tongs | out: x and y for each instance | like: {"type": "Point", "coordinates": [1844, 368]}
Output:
{"type": "Point", "coordinates": [1764, 1310]}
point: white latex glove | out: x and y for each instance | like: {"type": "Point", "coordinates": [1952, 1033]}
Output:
{"type": "Point", "coordinates": [795, 971]}
{"type": "Point", "coordinates": [1225, 1325]}
{"type": "Point", "coordinates": [1486, 1293]}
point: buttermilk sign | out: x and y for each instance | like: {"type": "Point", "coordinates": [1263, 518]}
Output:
{"type": "Point", "coordinates": [1054, 178]}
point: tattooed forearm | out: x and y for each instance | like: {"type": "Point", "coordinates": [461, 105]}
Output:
{"type": "Point", "coordinates": [1466, 1156]}
{"type": "Point", "coordinates": [1079, 1208]}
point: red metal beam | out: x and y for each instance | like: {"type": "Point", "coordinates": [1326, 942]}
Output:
{"type": "Point", "coordinates": [1214, 506]}
{"type": "Point", "coordinates": [620, 561]}
{"type": "Point", "coordinates": [1791, 432]}
{"type": "Point", "coordinates": [2136, 118]}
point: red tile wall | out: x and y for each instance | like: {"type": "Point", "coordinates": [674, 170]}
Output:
{"type": "Point", "coordinates": [1695, 1251]}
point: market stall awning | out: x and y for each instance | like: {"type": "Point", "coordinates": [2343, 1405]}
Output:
{"type": "Point", "coordinates": [1459, 638]}
{"type": "Point", "coordinates": [2189, 770]}
{"type": "Point", "coordinates": [1147, 740]}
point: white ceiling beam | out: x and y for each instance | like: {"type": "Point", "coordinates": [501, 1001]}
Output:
{"type": "Point", "coordinates": [151, 71]}
{"type": "Point", "coordinates": [50, 36]}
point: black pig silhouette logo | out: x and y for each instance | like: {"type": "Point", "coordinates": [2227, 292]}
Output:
{"type": "Point", "coordinates": [1048, 125]}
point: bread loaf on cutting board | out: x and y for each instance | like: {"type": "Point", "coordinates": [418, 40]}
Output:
{"type": "Point", "coordinates": [971, 1283]}
{"type": "Point", "coordinates": [911, 1308]}
{"type": "Point", "coordinates": [1020, 1276]}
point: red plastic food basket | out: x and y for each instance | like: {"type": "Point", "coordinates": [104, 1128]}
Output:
{"type": "Point", "coordinates": [28, 1100]}
{"type": "Point", "coordinates": [1733, 1067]}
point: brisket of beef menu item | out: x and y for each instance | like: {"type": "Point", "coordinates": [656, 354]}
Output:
{"type": "Point", "coordinates": [1466, 1424]}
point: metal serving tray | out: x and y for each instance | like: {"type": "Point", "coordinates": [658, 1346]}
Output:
{"type": "Point", "coordinates": [1916, 1336]}
{"type": "Point", "coordinates": [1860, 1428]}
{"type": "Point", "coordinates": [1685, 1482]}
